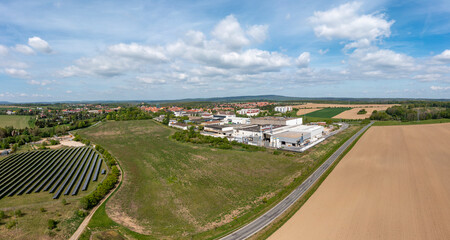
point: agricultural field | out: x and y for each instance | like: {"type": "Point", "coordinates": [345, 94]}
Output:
{"type": "Point", "coordinates": [27, 179]}
{"type": "Point", "coordinates": [353, 113]}
{"type": "Point", "coordinates": [332, 105]}
{"type": "Point", "coordinates": [304, 111]}
{"type": "Point", "coordinates": [326, 112]}
{"type": "Point", "coordinates": [393, 184]}
{"type": "Point", "coordinates": [16, 121]}
{"type": "Point", "coordinates": [174, 190]}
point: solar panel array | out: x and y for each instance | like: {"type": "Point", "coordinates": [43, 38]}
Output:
{"type": "Point", "coordinates": [61, 171]}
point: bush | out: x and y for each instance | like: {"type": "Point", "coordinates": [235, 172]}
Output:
{"type": "Point", "coordinates": [81, 213]}
{"type": "Point", "coordinates": [102, 189]}
{"type": "Point", "coordinates": [11, 224]}
{"type": "Point", "coordinates": [18, 213]}
{"type": "Point", "coordinates": [43, 209]}
{"type": "Point", "coordinates": [51, 224]}
{"type": "Point", "coordinates": [276, 152]}
{"type": "Point", "coordinates": [362, 111]}
{"type": "Point", "coordinates": [2, 215]}
{"type": "Point", "coordinates": [63, 201]}
{"type": "Point", "coordinates": [54, 142]}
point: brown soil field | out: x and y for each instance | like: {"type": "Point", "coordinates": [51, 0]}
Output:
{"type": "Point", "coordinates": [306, 111]}
{"type": "Point", "coordinates": [353, 113]}
{"type": "Point", "coordinates": [326, 105]}
{"type": "Point", "coordinates": [394, 184]}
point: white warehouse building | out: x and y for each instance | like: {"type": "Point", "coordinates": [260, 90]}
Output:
{"type": "Point", "coordinates": [283, 109]}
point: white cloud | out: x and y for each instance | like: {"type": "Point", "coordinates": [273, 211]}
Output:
{"type": "Point", "coordinates": [138, 51]}
{"type": "Point", "coordinates": [3, 50]}
{"type": "Point", "coordinates": [258, 33]}
{"type": "Point", "coordinates": [443, 57]}
{"type": "Point", "coordinates": [439, 88]}
{"type": "Point", "coordinates": [381, 60]}
{"type": "Point", "coordinates": [303, 60]}
{"type": "Point", "coordinates": [16, 73]}
{"type": "Point", "coordinates": [428, 77]}
{"type": "Point", "coordinates": [362, 43]}
{"type": "Point", "coordinates": [41, 83]}
{"type": "Point", "coordinates": [229, 32]}
{"type": "Point", "coordinates": [116, 60]}
{"type": "Point", "coordinates": [345, 22]}
{"type": "Point", "coordinates": [69, 91]}
{"type": "Point", "coordinates": [150, 80]}
{"type": "Point", "coordinates": [323, 51]}
{"type": "Point", "coordinates": [24, 49]}
{"type": "Point", "coordinates": [39, 44]}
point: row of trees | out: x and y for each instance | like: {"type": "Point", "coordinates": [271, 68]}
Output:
{"type": "Point", "coordinates": [410, 113]}
{"type": "Point", "coordinates": [131, 113]}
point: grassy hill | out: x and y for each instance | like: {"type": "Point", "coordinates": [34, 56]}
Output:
{"type": "Point", "coordinates": [177, 190]}
{"type": "Point", "coordinates": [14, 120]}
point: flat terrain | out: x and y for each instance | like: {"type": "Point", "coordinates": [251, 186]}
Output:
{"type": "Point", "coordinates": [304, 111]}
{"type": "Point", "coordinates": [394, 184]}
{"type": "Point", "coordinates": [178, 190]}
{"type": "Point", "coordinates": [326, 112]}
{"type": "Point", "coordinates": [353, 113]}
{"type": "Point", "coordinates": [17, 121]}
{"type": "Point", "coordinates": [327, 105]}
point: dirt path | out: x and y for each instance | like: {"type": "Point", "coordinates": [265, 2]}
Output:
{"type": "Point", "coordinates": [86, 221]}
{"type": "Point", "coordinates": [394, 184]}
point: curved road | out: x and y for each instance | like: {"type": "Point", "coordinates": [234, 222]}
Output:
{"type": "Point", "coordinates": [268, 217]}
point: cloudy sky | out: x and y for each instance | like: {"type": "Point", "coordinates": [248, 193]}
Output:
{"type": "Point", "coordinates": [133, 50]}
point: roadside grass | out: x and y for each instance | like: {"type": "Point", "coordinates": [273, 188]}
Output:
{"type": "Point", "coordinates": [393, 123]}
{"type": "Point", "coordinates": [181, 190]}
{"type": "Point", "coordinates": [16, 121]}
{"type": "Point", "coordinates": [327, 112]}
{"type": "Point", "coordinates": [280, 221]}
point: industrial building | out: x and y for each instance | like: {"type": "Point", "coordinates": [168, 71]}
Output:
{"type": "Point", "coordinates": [277, 121]}
{"type": "Point", "coordinates": [283, 109]}
{"type": "Point", "coordinates": [249, 112]}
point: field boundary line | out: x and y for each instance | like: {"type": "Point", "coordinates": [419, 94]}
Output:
{"type": "Point", "coordinates": [268, 217]}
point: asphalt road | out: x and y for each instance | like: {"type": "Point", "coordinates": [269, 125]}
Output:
{"type": "Point", "coordinates": [268, 217]}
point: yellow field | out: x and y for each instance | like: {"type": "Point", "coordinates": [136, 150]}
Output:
{"type": "Point", "coordinates": [394, 184]}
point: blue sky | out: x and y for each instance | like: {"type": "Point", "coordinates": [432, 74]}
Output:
{"type": "Point", "coordinates": [148, 50]}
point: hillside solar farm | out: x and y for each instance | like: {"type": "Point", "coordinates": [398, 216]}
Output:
{"type": "Point", "coordinates": [64, 171]}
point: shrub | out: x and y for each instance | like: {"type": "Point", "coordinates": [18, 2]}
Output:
{"type": "Point", "coordinates": [18, 213]}
{"type": "Point", "coordinates": [11, 224]}
{"type": "Point", "coordinates": [102, 189]}
{"type": "Point", "coordinates": [362, 111]}
{"type": "Point", "coordinates": [81, 213]}
{"type": "Point", "coordinates": [63, 201]}
{"type": "Point", "coordinates": [2, 215]}
{"type": "Point", "coordinates": [51, 224]}
{"type": "Point", "coordinates": [276, 152]}
{"type": "Point", "coordinates": [43, 209]}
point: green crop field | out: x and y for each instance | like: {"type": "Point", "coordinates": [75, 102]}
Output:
{"type": "Point", "coordinates": [326, 112]}
{"type": "Point", "coordinates": [180, 190]}
{"type": "Point", "coordinates": [16, 121]}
